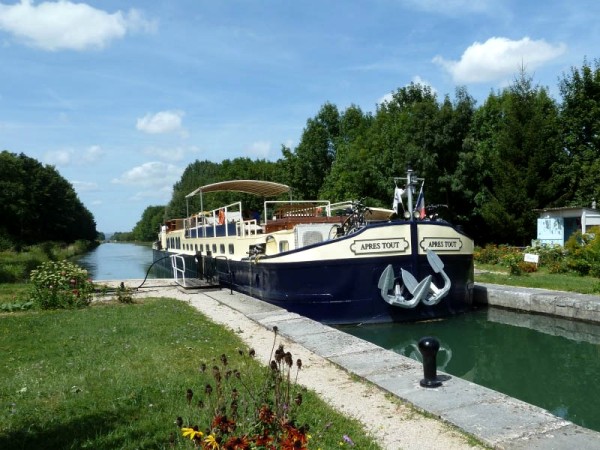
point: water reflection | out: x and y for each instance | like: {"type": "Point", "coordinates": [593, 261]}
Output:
{"type": "Point", "coordinates": [117, 261]}
{"type": "Point", "coordinates": [549, 362]}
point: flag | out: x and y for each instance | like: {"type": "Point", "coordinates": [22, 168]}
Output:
{"type": "Point", "coordinates": [420, 205]}
{"type": "Point", "coordinates": [398, 199]}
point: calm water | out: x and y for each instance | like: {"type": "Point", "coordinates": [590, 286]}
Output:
{"type": "Point", "coordinates": [548, 362]}
{"type": "Point", "coordinates": [112, 261]}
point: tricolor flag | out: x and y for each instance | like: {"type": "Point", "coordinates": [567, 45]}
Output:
{"type": "Point", "coordinates": [420, 205]}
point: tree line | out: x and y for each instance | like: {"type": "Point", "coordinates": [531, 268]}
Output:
{"type": "Point", "coordinates": [490, 166]}
{"type": "Point", "coordinates": [38, 205]}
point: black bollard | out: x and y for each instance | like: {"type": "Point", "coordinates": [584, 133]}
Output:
{"type": "Point", "coordinates": [429, 346]}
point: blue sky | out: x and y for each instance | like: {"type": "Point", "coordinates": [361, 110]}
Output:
{"type": "Point", "coordinates": [120, 96]}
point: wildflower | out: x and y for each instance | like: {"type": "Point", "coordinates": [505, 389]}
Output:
{"type": "Point", "coordinates": [288, 359]}
{"type": "Point", "coordinates": [224, 359]}
{"type": "Point", "coordinates": [189, 394]}
{"type": "Point", "coordinates": [223, 424]}
{"type": "Point", "coordinates": [192, 433]}
{"type": "Point", "coordinates": [266, 415]}
{"type": "Point", "coordinates": [211, 442]}
{"type": "Point", "coordinates": [179, 421]}
{"type": "Point", "coordinates": [237, 443]}
{"type": "Point", "coordinates": [348, 440]}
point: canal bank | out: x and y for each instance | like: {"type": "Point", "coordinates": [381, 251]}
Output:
{"type": "Point", "coordinates": [494, 418]}
{"type": "Point", "coordinates": [568, 305]}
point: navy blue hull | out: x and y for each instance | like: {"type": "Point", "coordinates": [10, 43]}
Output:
{"type": "Point", "coordinates": [338, 292]}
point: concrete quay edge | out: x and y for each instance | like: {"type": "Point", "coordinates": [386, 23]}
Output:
{"type": "Point", "coordinates": [569, 305]}
{"type": "Point", "coordinates": [497, 420]}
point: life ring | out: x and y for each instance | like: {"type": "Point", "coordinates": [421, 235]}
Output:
{"type": "Point", "coordinates": [221, 219]}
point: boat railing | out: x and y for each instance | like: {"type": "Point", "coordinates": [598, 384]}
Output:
{"type": "Point", "coordinates": [178, 270]}
{"type": "Point", "coordinates": [222, 221]}
{"type": "Point", "coordinates": [281, 209]}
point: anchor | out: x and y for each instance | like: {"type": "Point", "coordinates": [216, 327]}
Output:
{"type": "Point", "coordinates": [424, 291]}
{"type": "Point", "coordinates": [438, 267]}
{"type": "Point", "coordinates": [387, 281]}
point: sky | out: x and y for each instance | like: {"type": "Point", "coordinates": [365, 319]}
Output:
{"type": "Point", "coordinates": [121, 96]}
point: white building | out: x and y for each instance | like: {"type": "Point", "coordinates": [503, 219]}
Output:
{"type": "Point", "coordinates": [556, 225]}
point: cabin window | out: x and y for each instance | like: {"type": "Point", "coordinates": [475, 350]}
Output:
{"type": "Point", "coordinates": [201, 247]}
{"type": "Point", "coordinates": [222, 248]}
{"type": "Point", "coordinates": [214, 248]}
{"type": "Point", "coordinates": [284, 246]}
{"type": "Point", "coordinates": [231, 249]}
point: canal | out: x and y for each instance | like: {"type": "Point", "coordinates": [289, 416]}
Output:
{"type": "Point", "coordinates": [549, 362]}
{"type": "Point", "coordinates": [117, 261]}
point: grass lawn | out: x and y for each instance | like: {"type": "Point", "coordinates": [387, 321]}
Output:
{"type": "Point", "coordinates": [113, 376]}
{"type": "Point", "coordinates": [541, 279]}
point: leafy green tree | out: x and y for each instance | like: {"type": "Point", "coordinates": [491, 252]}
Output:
{"type": "Point", "coordinates": [146, 229]}
{"type": "Point", "coordinates": [509, 163]}
{"type": "Point", "coordinates": [580, 118]}
{"type": "Point", "coordinates": [37, 204]}
{"type": "Point", "coordinates": [310, 162]}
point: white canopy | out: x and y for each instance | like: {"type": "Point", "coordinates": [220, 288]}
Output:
{"type": "Point", "coordinates": [255, 187]}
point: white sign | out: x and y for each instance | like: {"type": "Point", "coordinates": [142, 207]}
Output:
{"type": "Point", "coordinates": [366, 246]}
{"type": "Point", "coordinates": [441, 244]}
{"type": "Point", "coordinates": [530, 257]}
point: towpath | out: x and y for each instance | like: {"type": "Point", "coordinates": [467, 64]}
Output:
{"type": "Point", "coordinates": [381, 388]}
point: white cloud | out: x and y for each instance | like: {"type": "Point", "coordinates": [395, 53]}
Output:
{"type": "Point", "coordinates": [172, 153]}
{"type": "Point", "coordinates": [63, 25]}
{"type": "Point", "coordinates": [93, 154]}
{"type": "Point", "coordinates": [260, 149]}
{"type": "Point", "coordinates": [59, 158]}
{"type": "Point", "coordinates": [161, 122]}
{"type": "Point", "coordinates": [152, 174]}
{"type": "Point", "coordinates": [67, 157]}
{"type": "Point", "coordinates": [498, 58]}
{"type": "Point", "coordinates": [84, 186]}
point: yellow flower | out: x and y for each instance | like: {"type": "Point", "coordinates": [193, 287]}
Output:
{"type": "Point", "coordinates": [191, 433]}
{"type": "Point", "coordinates": [211, 442]}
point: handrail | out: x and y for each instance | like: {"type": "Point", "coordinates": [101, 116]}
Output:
{"type": "Point", "coordinates": [176, 268]}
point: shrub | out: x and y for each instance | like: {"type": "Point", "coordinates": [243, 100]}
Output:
{"type": "Point", "coordinates": [583, 252]}
{"type": "Point", "coordinates": [124, 294]}
{"type": "Point", "coordinates": [60, 284]}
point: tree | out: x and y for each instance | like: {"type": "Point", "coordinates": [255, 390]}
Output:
{"type": "Point", "coordinates": [509, 164]}
{"type": "Point", "coordinates": [310, 163]}
{"type": "Point", "coordinates": [580, 119]}
{"type": "Point", "coordinates": [146, 229]}
{"type": "Point", "coordinates": [37, 204]}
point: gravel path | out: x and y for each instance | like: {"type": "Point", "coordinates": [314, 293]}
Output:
{"type": "Point", "coordinates": [392, 423]}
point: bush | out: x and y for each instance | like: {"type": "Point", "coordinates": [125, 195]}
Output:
{"type": "Point", "coordinates": [60, 284]}
{"type": "Point", "coordinates": [583, 252]}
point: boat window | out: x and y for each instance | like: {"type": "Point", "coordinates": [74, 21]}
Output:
{"type": "Point", "coordinates": [284, 246]}
{"type": "Point", "coordinates": [201, 247]}
{"type": "Point", "coordinates": [222, 248]}
{"type": "Point", "coordinates": [214, 248]}
{"type": "Point", "coordinates": [231, 249]}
